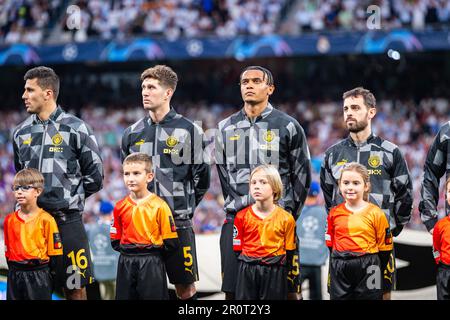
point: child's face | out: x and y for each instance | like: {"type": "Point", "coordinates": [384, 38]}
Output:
{"type": "Point", "coordinates": [136, 177]}
{"type": "Point", "coordinates": [26, 194]}
{"type": "Point", "coordinates": [352, 186]}
{"type": "Point", "coordinates": [260, 189]}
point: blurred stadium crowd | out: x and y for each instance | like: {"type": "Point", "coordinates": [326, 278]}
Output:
{"type": "Point", "coordinates": [411, 125]}
{"type": "Point", "coordinates": [44, 21]}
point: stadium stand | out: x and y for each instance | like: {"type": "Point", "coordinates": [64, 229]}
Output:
{"type": "Point", "coordinates": [46, 21]}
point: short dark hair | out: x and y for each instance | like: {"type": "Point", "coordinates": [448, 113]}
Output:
{"type": "Point", "coordinates": [369, 98]}
{"type": "Point", "coordinates": [46, 78]}
{"type": "Point", "coordinates": [267, 74]}
{"type": "Point", "coordinates": [164, 74]}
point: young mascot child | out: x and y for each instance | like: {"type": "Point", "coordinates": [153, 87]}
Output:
{"type": "Point", "coordinates": [441, 251]}
{"type": "Point", "coordinates": [33, 246]}
{"type": "Point", "coordinates": [359, 237]}
{"type": "Point", "coordinates": [143, 226]}
{"type": "Point", "coordinates": [264, 238]}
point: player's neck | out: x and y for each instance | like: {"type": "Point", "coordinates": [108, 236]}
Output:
{"type": "Point", "coordinates": [158, 114]}
{"type": "Point", "coordinates": [254, 110]}
{"type": "Point", "coordinates": [45, 113]}
{"type": "Point", "coordinates": [27, 211]}
{"type": "Point", "coordinates": [355, 205]}
{"type": "Point", "coordinates": [263, 208]}
{"type": "Point", "coordinates": [361, 136]}
{"type": "Point", "coordinates": [140, 195]}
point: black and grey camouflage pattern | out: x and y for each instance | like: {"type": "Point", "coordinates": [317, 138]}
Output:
{"type": "Point", "coordinates": [66, 152]}
{"type": "Point", "coordinates": [437, 164]}
{"type": "Point", "coordinates": [176, 146]}
{"type": "Point", "coordinates": [272, 138]}
{"type": "Point", "coordinates": [391, 184]}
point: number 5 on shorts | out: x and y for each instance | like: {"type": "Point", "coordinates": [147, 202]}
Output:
{"type": "Point", "coordinates": [296, 267]}
{"type": "Point", "coordinates": [187, 256]}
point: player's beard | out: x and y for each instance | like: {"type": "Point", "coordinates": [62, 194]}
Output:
{"type": "Point", "coordinates": [357, 126]}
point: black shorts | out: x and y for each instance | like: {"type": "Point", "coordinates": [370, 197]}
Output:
{"type": "Point", "coordinates": [228, 259]}
{"type": "Point", "coordinates": [29, 283]}
{"type": "Point", "coordinates": [443, 282]}
{"type": "Point", "coordinates": [181, 264]}
{"type": "Point", "coordinates": [141, 277]}
{"type": "Point", "coordinates": [389, 274]}
{"type": "Point", "coordinates": [261, 282]}
{"type": "Point", "coordinates": [358, 278]}
{"type": "Point", "coordinates": [76, 270]}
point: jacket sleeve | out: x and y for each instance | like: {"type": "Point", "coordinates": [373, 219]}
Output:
{"type": "Point", "coordinates": [327, 182]}
{"type": "Point", "coordinates": [17, 163]}
{"type": "Point", "coordinates": [90, 161]}
{"type": "Point", "coordinates": [300, 177]}
{"type": "Point", "coordinates": [201, 170]}
{"type": "Point", "coordinates": [434, 169]}
{"type": "Point", "coordinates": [403, 192]}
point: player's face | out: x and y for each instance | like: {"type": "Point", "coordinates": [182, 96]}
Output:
{"type": "Point", "coordinates": [26, 194]}
{"type": "Point", "coordinates": [356, 114]}
{"type": "Point", "coordinates": [260, 189]}
{"type": "Point", "coordinates": [254, 87]}
{"type": "Point", "coordinates": [135, 176]}
{"type": "Point", "coordinates": [352, 186]}
{"type": "Point", "coordinates": [34, 96]}
{"type": "Point", "coordinates": [153, 94]}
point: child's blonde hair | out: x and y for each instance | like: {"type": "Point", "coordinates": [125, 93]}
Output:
{"type": "Point", "coordinates": [362, 170]}
{"type": "Point", "coordinates": [274, 179]}
{"type": "Point", "coordinates": [29, 177]}
{"type": "Point", "coordinates": [139, 157]}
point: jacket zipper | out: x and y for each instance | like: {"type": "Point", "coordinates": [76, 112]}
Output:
{"type": "Point", "coordinates": [42, 148]}
{"type": "Point", "coordinates": [155, 152]}
{"type": "Point", "coordinates": [357, 154]}
{"type": "Point", "coordinates": [250, 157]}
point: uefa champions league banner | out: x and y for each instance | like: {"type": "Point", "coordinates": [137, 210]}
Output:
{"type": "Point", "coordinates": [240, 48]}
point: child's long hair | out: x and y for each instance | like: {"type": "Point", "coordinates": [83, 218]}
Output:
{"type": "Point", "coordinates": [274, 179]}
{"type": "Point", "coordinates": [362, 170]}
